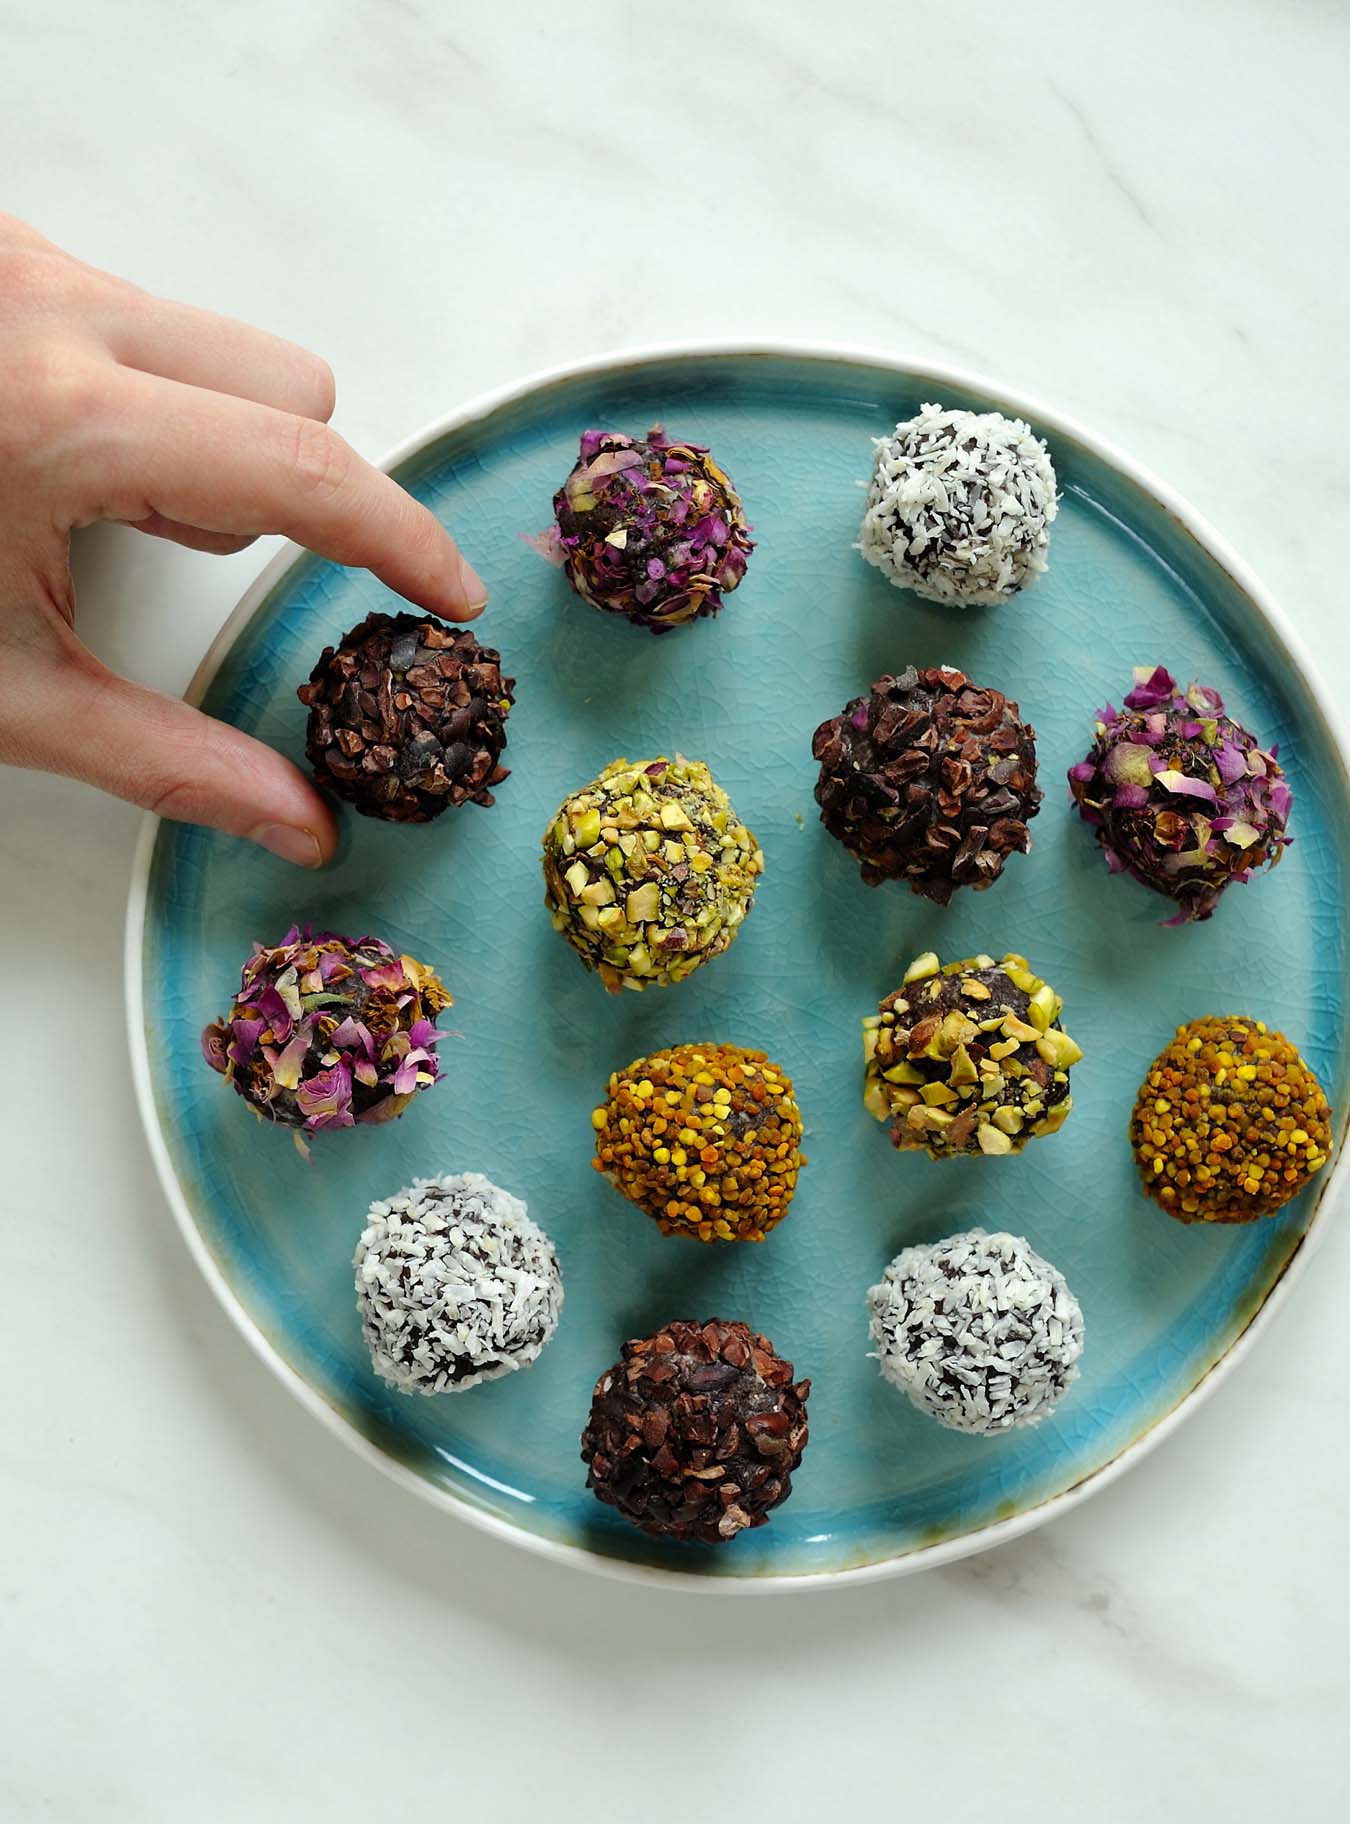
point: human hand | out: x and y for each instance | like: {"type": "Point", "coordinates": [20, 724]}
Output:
{"type": "Point", "coordinates": [117, 405]}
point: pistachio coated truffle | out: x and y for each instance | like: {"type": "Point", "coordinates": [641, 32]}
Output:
{"type": "Point", "coordinates": [968, 1057]}
{"type": "Point", "coordinates": [407, 717]}
{"type": "Point", "coordinates": [648, 871]}
{"type": "Point", "coordinates": [981, 1332]}
{"type": "Point", "coordinates": [648, 528]}
{"type": "Point", "coordinates": [959, 506]}
{"type": "Point", "coordinates": [706, 1139]}
{"type": "Point", "coordinates": [1181, 796]}
{"type": "Point", "coordinates": [1229, 1123]}
{"type": "Point", "coordinates": [455, 1285]}
{"type": "Point", "coordinates": [329, 1031]}
{"type": "Point", "coordinates": [694, 1433]}
{"type": "Point", "coordinates": [929, 778]}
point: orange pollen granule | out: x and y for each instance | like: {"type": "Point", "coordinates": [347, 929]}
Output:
{"type": "Point", "coordinates": [1229, 1123]}
{"type": "Point", "coordinates": [705, 1138]}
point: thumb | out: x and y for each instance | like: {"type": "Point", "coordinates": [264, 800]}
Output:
{"type": "Point", "coordinates": [71, 715]}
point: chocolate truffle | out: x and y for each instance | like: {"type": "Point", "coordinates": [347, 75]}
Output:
{"type": "Point", "coordinates": [694, 1433]}
{"type": "Point", "coordinates": [455, 1285]}
{"type": "Point", "coordinates": [968, 1057]}
{"type": "Point", "coordinates": [328, 1031]}
{"type": "Point", "coordinates": [929, 779]}
{"type": "Point", "coordinates": [406, 717]}
{"type": "Point", "coordinates": [706, 1139]}
{"type": "Point", "coordinates": [648, 871]}
{"type": "Point", "coordinates": [1180, 795]}
{"type": "Point", "coordinates": [959, 506]}
{"type": "Point", "coordinates": [979, 1331]}
{"type": "Point", "coordinates": [1229, 1123]}
{"type": "Point", "coordinates": [648, 529]}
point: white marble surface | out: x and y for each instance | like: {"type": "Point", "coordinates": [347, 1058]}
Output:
{"type": "Point", "coordinates": [208, 1608]}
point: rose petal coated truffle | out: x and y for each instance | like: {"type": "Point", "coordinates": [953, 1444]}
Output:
{"type": "Point", "coordinates": [455, 1285]}
{"type": "Point", "coordinates": [959, 506]}
{"type": "Point", "coordinates": [929, 779]}
{"type": "Point", "coordinates": [979, 1331]}
{"type": "Point", "coordinates": [694, 1433]}
{"type": "Point", "coordinates": [648, 871]}
{"type": "Point", "coordinates": [1180, 795]}
{"type": "Point", "coordinates": [706, 1139]}
{"type": "Point", "coordinates": [328, 1031]}
{"type": "Point", "coordinates": [648, 529]}
{"type": "Point", "coordinates": [1229, 1123]}
{"type": "Point", "coordinates": [969, 1057]}
{"type": "Point", "coordinates": [406, 717]}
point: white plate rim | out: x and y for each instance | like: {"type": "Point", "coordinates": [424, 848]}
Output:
{"type": "Point", "coordinates": [1332, 1192]}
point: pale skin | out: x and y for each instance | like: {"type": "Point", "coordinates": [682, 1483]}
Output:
{"type": "Point", "coordinates": [116, 405]}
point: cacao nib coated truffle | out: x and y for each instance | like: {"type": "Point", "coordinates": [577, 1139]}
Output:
{"type": "Point", "coordinates": [406, 717]}
{"type": "Point", "coordinates": [969, 1057]}
{"type": "Point", "coordinates": [455, 1285]}
{"type": "Point", "coordinates": [648, 872]}
{"type": "Point", "coordinates": [694, 1433]}
{"type": "Point", "coordinates": [981, 1332]}
{"type": "Point", "coordinates": [706, 1139]}
{"type": "Point", "coordinates": [648, 529]}
{"type": "Point", "coordinates": [929, 779]}
{"type": "Point", "coordinates": [959, 506]}
{"type": "Point", "coordinates": [329, 1031]}
{"type": "Point", "coordinates": [1180, 795]}
{"type": "Point", "coordinates": [1229, 1123]}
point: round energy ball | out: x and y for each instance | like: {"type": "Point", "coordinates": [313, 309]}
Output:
{"type": "Point", "coordinates": [406, 717]}
{"type": "Point", "coordinates": [1229, 1123]}
{"type": "Point", "coordinates": [329, 1031]}
{"type": "Point", "coordinates": [1181, 796]}
{"type": "Point", "coordinates": [959, 506]}
{"type": "Point", "coordinates": [694, 1432]}
{"type": "Point", "coordinates": [455, 1285]}
{"type": "Point", "coordinates": [930, 779]}
{"type": "Point", "coordinates": [968, 1057]}
{"type": "Point", "coordinates": [649, 529]}
{"type": "Point", "coordinates": [706, 1139]}
{"type": "Point", "coordinates": [648, 872]}
{"type": "Point", "coordinates": [981, 1332]}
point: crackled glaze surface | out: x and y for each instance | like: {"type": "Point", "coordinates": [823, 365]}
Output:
{"type": "Point", "coordinates": [810, 626]}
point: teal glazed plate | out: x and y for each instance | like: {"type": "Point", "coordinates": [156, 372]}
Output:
{"type": "Point", "coordinates": [1134, 579]}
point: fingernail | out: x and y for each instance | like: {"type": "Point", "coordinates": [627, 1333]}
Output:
{"type": "Point", "coordinates": [291, 844]}
{"type": "Point", "coordinates": [475, 589]}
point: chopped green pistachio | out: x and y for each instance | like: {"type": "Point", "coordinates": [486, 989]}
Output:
{"type": "Point", "coordinates": [922, 967]}
{"type": "Point", "coordinates": [992, 1140]}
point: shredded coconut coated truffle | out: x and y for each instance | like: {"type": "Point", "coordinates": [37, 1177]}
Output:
{"type": "Point", "coordinates": [980, 1331]}
{"type": "Point", "coordinates": [1229, 1123]}
{"type": "Point", "coordinates": [706, 1139]}
{"type": "Point", "coordinates": [455, 1285]}
{"type": "Point", "coordinates": [959, 506]}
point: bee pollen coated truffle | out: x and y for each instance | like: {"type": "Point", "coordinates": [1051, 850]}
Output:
{"type": "Point", "coordinates": [329, 1031]}
{"type": "Point", "coordinates": [407, 717]}
{"type": "Point", "coordinates": [695, 1432]}
{"type": "Point", "coordinates": [706, 1139]}
{"type": "Point", "coordinates": [959, 506]}
{"type": "Point", "coordinates": [649, 529]}
{"type": "Point", "coordinates": [980, 1332]}
{"type": "Point", "coordinates": [648, 872]}
{"type": "Point", "coordinates": [930, 779]}
{"type": "Point", "coordinates": [968, 1057]}
{"type": "Point", "coordinates": [1181, 796]}
{"type": "Point", "coordinates": [1229, 1123]}
{"type": "Point", "coordinates": [455, 1285]}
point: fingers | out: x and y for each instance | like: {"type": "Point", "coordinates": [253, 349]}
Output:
{"type": "Point", "coordinates": [198, 348]}
{"type": "Point", "coordinates": [70, 715]}
{"type": "Point", "coordinates": [229, 465]}
{"type": "Point", "coordinates": [220, 544]}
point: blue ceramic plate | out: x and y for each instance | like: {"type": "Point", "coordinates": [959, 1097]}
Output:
{"type": "Point", "coordinates": [1133, 580]}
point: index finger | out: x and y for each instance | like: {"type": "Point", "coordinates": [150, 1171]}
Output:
{"type": "Point", "coordinates": [230, 465]}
